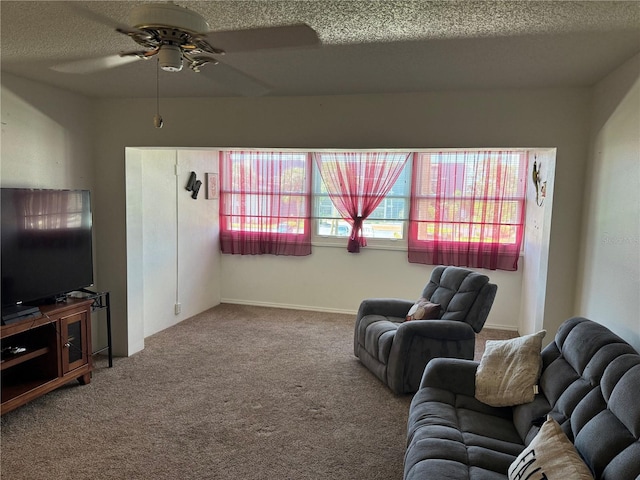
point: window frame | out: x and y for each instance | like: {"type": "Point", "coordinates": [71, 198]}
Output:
{"type": "Point", "coordinates": [372, 243]}
{"type": "Point", "coordinates": [276, 240]}
{"type": "Point", "coordinates": [462, 198]}
{"type": "Point", "coordinates": [421, 249]}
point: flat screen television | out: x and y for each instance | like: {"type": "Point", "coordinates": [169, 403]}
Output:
{"type": "Point", "coordinates": [46, 244]}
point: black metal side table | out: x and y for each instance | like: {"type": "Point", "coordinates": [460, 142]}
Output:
{"type": "Point", "coordinates": [101, 301]}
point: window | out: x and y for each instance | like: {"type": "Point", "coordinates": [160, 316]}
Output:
{"type": "Point", "coordinates": [467, 208]}
{"type": "Point", "coordinates": [462, 208]}
{"type": "Point", "coordinates": [357, 181]}
{"type": "Point", "coordinates": [265, 202]}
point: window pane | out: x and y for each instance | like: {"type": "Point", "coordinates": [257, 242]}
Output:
{"type": "Point", "coordinates": [269, 172]}
{"type": "Point", "coordinates": [387, 221]}
{"type": "Point", "coordinates": [265, 203]}
{"type": "Point", "coordinates": [468, 208]}
{"type": "Point", "coordinates": [384, 229]}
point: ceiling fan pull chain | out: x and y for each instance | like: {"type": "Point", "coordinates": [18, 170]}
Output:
{"type": "Point", "coordinates": [157, 119]}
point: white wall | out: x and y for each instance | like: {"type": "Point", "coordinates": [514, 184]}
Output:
{"type": "Point", "coordinates": [128, 335]}
{"type": "Point", "coordinates": [171, 239]}
{"type": "Point", "coordinates": [535, 263]}
{"type": "Point", "coordinates": [527, 118]}
{"type": "Point", "coordinates": [331, 279]}
{"type": "Point", "coordinates": [160, 233]}
{"type": "Point", "coordinates": [199, 271]}
{"type": "Point", "coordinates": [609, 285]}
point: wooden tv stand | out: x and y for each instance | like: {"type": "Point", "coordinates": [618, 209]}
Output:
{"type": "Point", "coordinates": [57, 350]}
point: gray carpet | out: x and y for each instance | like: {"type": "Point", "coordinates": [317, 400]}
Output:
{"type": "Point", "coordinates": [236, 392]}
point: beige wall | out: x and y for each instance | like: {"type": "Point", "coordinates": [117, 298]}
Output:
{"type": "Point", "coordinates": [46, 136]}
{"type": "Point", "coordinates": [609, 274]}
{"type": "Point", "coordinates": [526, 118]}
{"type": "Point", "coordinates": [47, 140]}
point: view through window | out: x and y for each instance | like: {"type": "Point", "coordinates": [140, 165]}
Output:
{"type": "Point", "coordinates": [387, 221]}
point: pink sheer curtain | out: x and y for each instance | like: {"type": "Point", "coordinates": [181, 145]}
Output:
{"type": "Point", "coordinates": [265, 203]}
{"type": "Point", "coordinates": [467, 208]}
{"type": "Point", "coordinates": [357, 182]}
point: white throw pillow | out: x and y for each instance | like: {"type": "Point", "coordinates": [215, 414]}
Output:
{"type": "Point", "coordinates": [509, 370]}
{"type": "Point", "coordinates": [550, 455]}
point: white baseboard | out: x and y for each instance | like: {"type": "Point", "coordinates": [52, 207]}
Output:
{"type": "Point", "coordinates": [509, 328]}
{"type": "Point", "coordinates": [288, 306]}
{"type": "Point", "coordinates": [291, 306]}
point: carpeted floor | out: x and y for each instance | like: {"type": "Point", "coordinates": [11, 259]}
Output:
{"type": "Point", "coordinates": [237, 392]}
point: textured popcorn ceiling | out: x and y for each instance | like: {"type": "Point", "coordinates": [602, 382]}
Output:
{"type": "Point", "coordinates": [366, 47]}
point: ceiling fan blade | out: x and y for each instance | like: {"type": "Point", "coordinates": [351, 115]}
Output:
{"type": "Point", "coordinates": [91, 65]}
{"type": "Point", "coordinates": [234, 80]}
{"type": "Point", "coordinates": [102, 19]}
{"type": "Point", "coordinates": [261, 38]}
{"type": "Point", "coordinates": [143, 54]}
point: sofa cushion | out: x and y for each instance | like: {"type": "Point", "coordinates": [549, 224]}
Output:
{"type": "Point", "coordinates": [549, 455]}
{"type": "Point", "coordinates": [509, 370]}
{"type": "Point", "coordinates": [453, 435]}
{"type": "Point", "coordinates": [424, 310]}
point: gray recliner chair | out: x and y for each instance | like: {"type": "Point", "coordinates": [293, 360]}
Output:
{"type": "Point", "coordinates": [397, 350]}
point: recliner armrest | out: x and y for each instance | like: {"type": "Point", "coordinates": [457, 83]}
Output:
{"type": "Point", "coordinates": [435, 329]}
{"type": "Point", "coordinates": [418, 341]}
{"type": "Point", "coordinates": [388, 307]}
{"type": "Point", "coordinates": [452, 374]}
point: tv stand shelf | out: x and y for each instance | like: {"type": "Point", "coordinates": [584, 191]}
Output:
{"type": "Point", "coordinates": [57, 351]}
{"type": "Point", "coordinates": [23, 357]}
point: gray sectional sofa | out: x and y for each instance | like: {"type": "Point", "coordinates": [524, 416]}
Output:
{"type": "Point", "coordinates": [590, 384]}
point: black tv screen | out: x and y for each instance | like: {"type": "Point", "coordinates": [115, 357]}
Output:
{"type": "Point", "coordinates": [46, 244]}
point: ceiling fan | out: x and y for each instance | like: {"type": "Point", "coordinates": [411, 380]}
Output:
{"type": "Point", "coordinates": [176, 36]}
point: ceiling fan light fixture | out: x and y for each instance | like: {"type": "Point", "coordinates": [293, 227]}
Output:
{"type": "Point", "coordinates": [170, 58]}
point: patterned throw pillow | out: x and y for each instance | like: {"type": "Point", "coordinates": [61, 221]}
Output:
{"type": "Point", "coordinates": [549, 455]}
{"type": "Point", "coordinates": [424, 310]}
